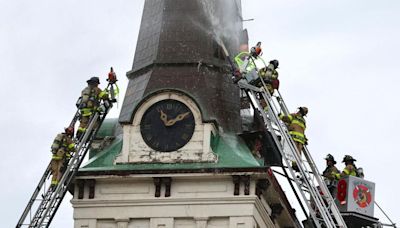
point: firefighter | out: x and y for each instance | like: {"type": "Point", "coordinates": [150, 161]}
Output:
{"type": "Point", "coordinates": [246, 67]}
{"type": "Point", "coordinates": [350, 169]}
{"type": "Point", "coordinates": [331, 170]}
{"type": "Point", "coordinates": [62, 147]}
{"type": "Point", "coordinates": [90, 102]}
{"type": "Point", "coordinates": [296, 126]}
{"type": "Point", "coordinates": [269, 76]}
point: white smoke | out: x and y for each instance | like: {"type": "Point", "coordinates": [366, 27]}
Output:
{"type": "Point", "coordinates": [223, 18]}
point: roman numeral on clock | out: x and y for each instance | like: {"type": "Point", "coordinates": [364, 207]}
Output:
{"type": "Point", "coordinates": [185, 136]}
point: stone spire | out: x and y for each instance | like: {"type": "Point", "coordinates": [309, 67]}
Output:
{"type": "Point", "coordinates": [177, 49]}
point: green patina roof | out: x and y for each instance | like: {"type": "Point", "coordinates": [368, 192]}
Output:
{"type": "Point", "coordinates": [231, 150]}
{"type": "Point", "coordinates": [107, 128]}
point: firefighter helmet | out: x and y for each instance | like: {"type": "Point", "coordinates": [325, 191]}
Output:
{"type": "Point", "coordinates": [275, 63]}
{"type": "Point", "coordinates": [69, 131]}
{"type": "Point", "coordinates": [329, 157]}
{"type": "Point", "coordinates": [93, 80]}
{"type": "Point", "coordinates": [303, 110]}
{"type": "Point", "coordinates": [348, 158]}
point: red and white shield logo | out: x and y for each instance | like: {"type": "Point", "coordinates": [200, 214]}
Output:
{"type": "Point", "coordinates": [362, 195]}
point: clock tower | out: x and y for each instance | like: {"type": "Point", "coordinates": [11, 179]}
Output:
{"type": "Point", "coordinates": [179, 68]}
{"type": "Point", "coordinates": [173, 158]}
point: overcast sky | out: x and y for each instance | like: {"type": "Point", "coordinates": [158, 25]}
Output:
{"type": "Point", "coordinates": [338, 58]}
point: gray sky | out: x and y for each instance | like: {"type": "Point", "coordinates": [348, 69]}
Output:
{"type": "Point", "coordinates": [339, 58]}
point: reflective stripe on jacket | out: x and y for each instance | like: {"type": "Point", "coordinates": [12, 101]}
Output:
{"type": "Point", "coordinates": [244, 65]}
{"type": "Point", "coordinates": [346, 173]}
{"type": "Point", "coordinates": [103, 94]}
{"type": "Point", "coordinates": [330, 172]}
{"type": "Point", "coordinates": [298, 120]}
{"type": "Point", "coordinates": [298, 137]}
{"type": "Point", "coordinates": [57, 158]}
{"type": "Point", "coordinates": [349, 173]}
{"type": "Point", "coordinates": [294, 122]}
{"type": "Point", "coordinates": [65, 146]}
{"type": "Point", "coordinates": [93, 94]}
{"type": "Point", "coordinates": [91, 97]}
{"type": "Point", "coordinates": [86, 111]}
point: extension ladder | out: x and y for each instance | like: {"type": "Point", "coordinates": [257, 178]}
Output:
{"type": "Point", "coordinates": [321, 207]}
{"type": "Point", "coordinates": [43, 207]}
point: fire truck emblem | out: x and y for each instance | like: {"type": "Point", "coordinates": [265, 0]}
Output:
{"type": "Point", "coordinates": [362, 195]}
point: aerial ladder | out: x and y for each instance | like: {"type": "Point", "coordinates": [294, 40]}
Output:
{"type": "Point", "coordinates": [45, 200]}
{"type": "Point", "coordinates": [321, 206]}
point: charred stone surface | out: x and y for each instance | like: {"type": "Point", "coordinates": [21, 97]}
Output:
{"type": "Point", "coordinates": [92, 187]}
{"type": "Point", "coordinates": [81, 185]}
{"type": "Point", "coordinates": [236, 182]}
{"type": "Point", "coordinates": [261, 186]}
{"type": "Point", "coordinates": [276, 210]}
{"type": "Point", "coordinates": [157, 184]}
{"type": "Point", "coordinates": [177, 49]}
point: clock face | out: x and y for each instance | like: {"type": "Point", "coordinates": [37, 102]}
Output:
{"type": "Point", "coordinates": [167, 125]}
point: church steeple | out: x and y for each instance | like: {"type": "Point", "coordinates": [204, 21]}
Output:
{"type": "Point", "coordinates": [177, 49]}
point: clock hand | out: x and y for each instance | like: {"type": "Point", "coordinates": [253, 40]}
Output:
{"type": "Point", "coordinates": [182, 116]}
{"type": "Point", "coordinates": [178, 118]}
{"type": "Point", "coordinates": [170, 123]}
{"type": "Point", "coordinates": [164, 118]}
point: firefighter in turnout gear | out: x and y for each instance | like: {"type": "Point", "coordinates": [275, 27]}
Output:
{"type": "Point", "coordinates": [246, 67]}
{"type": "Point", "coordinates": [90, 102]}
{"type": "Point", "coordinates": [61, 148]}
{"type": "Point", "coordinates": [350, 169]}
{"type": "Point", "coordinates": [269, 75]}
{"type": "Point", "coordinates": [330, 173]}
{"type": "Point", "coordinates": [296, 126]}
{"type": "Point", "coordinates": [331, 170]}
